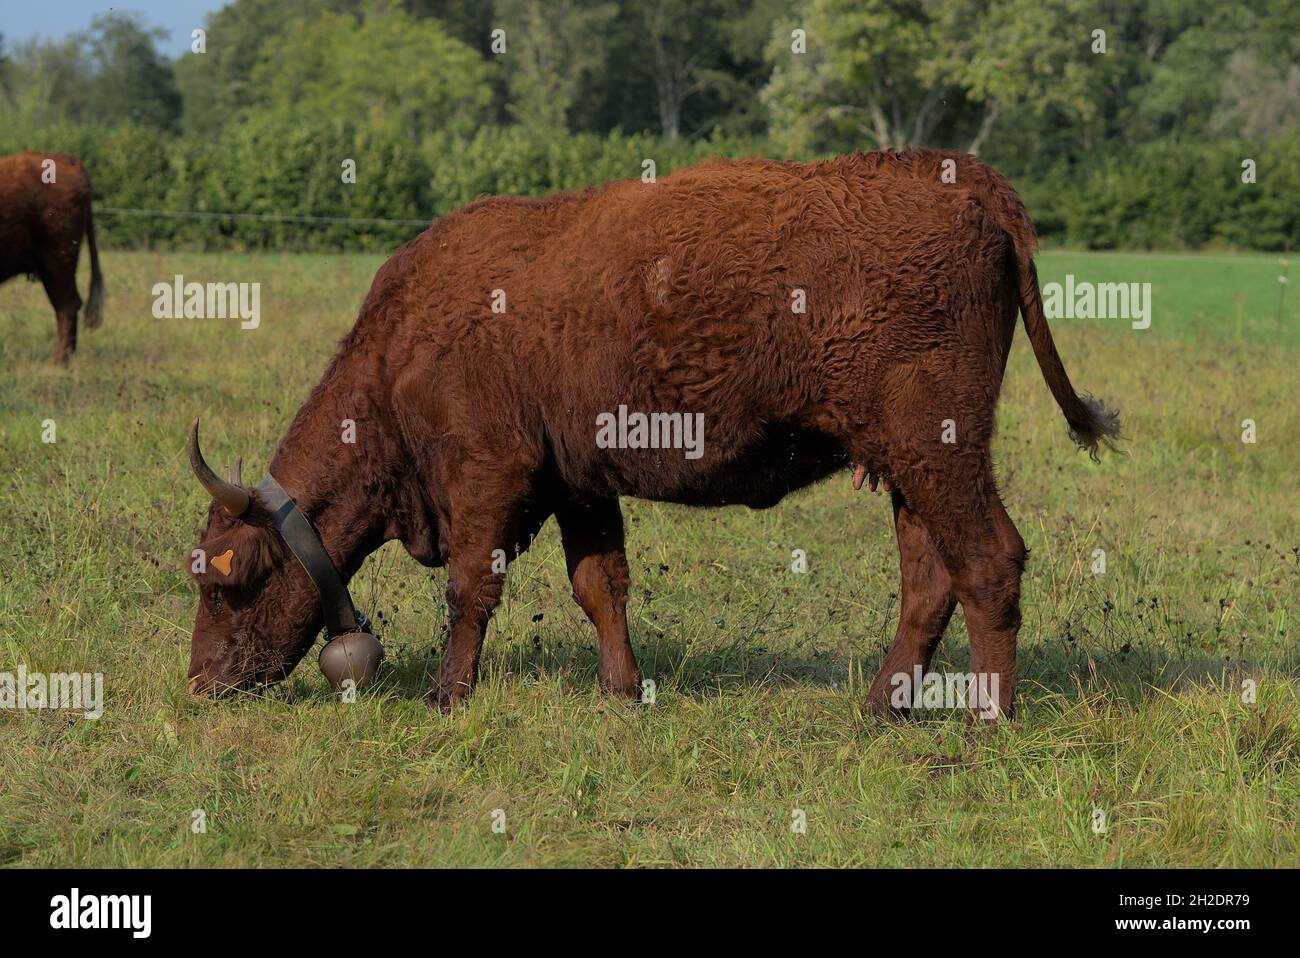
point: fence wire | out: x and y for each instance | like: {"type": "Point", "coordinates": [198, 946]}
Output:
{"type": "Point", "coordinates": [265, 217]}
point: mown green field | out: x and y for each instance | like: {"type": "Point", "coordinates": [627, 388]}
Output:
{"type": "Point", "coordinates": [1130, 701]}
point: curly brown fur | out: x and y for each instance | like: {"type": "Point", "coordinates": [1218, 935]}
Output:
{"type": "Point", "coordinates": [474, 426]}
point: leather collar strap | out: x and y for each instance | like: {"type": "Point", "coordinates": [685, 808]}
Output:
{"type": "Point", "coordinates": [335, 600]}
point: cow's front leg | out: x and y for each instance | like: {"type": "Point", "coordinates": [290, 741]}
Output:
{"type": "Point", "coordinates": [595, 554]}
{"type": "Point", "coordinates": [487, 532]}
{"type": "Point", "coordinates": [473, 592]}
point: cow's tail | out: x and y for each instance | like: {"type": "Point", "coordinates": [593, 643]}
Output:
{"type": "Point", "coordinates": [95, 301]}
{"type": "Point", "coordinates": [1091, 423]}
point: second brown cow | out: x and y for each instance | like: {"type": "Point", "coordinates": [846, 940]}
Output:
{"type": "Point", "coordinates": [771, 323]}
{"type": "Point", "coordinates": [44, 213]}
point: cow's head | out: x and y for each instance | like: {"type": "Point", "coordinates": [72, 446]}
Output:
{"type": "Point", "coordinates": [257, 610]}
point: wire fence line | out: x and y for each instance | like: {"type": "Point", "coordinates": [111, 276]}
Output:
{"type": "Point", "coordinates": [265, 217]}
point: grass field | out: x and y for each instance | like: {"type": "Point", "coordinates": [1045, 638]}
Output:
{"type": "Point", "coordinates": [1130, 701]}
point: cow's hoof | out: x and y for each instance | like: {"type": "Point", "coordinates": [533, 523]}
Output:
{"type": "Point", "coordinates": [440, 703]}
{"type": "Point", "coordinates": [621, 686]}
{"type": "Point", "coordinates": [885, 712]}
{"type": "Point", "coordinates": [880, 706]}
{"type": "Point", "coordinates": [984, 718]}
{"type": "Point", "coordinates": [445, 699]}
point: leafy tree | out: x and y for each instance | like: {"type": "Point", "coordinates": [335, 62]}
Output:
{"type": "Point", "coordinates": [364, 60]}
{"type": "Point", "coordinates": [110, 73]}
{"type": "Point", "coordinates": [1257, 99]}
{"type": "Point", "coordinates": [470, 21]}
{"type": "Point", "coordinates": [888, 73]}
{"type": "Point", "coordinates": [218, 85]}
{"type": "Point", "coordinates": [1035, 56]}
{"type": "Point", "coordinates": [862, 77]}
{"type": "Point", "coordinates": [131, 78]}
{"type": "Point", "coordinates": [389, 71]}
{"type": "Point", "coordinates": [1222, 67]}
{"type": "Point", "coordinates": [48, 81]}
{"type": "Point", "coordinates": [683, 41]}
{"type": "Point", "coordinates": [552, 49]}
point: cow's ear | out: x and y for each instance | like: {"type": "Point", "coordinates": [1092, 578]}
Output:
{"type": "Point", "coordinates": [238, 558]}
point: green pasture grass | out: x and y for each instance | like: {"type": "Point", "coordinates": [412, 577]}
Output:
{"type": "Point", "coordinates": [1235, 297]}
{"type": "Point", "coordinates": [1130, 699]}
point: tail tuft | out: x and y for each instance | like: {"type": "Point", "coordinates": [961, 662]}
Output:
{"type": "Point", "coordinates": [1101, 426]}
{"type": "Point", "coordinates": [95, 305]}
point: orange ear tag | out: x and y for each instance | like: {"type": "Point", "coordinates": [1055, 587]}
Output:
{"type": "Point", "coordinates": [222, 562]}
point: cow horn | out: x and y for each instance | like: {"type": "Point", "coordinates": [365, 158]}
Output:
{"type": "Point", "coordinates": [231, 497]}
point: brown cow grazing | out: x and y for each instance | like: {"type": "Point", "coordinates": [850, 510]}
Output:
{"type": "Point", "coordinates": [855, 312]}
{"type": "Point", "coordinates": [44, 212]}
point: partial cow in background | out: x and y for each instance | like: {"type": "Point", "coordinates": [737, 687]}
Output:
{"type": "Point", "coordinates": [44, 212]}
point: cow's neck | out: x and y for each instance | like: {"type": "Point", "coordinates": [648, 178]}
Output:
{"type": "Point", "coordinates": [331, 463]}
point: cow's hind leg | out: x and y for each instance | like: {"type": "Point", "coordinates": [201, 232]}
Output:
{"type": "Point", "coordinates": [984, 556]}
{"type": "Point", "coordinates": [61, 287]}
{"type": "Point", "coordinates": [992, 583]}
{"type": "Point", "coordinates": [927, 604]}
{"type": "Point", "coordinates": [488, 529]}
{"type": "Point", "coordinates": [594, 552]}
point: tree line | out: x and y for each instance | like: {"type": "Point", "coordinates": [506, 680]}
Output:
{"type": "Point", "coordinates": [1126, 123]}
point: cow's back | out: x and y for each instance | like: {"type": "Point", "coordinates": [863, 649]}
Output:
{"type": "Point", "coordinates": [39, 219]}
{"type": "Point", "coordinates": [770, 298]}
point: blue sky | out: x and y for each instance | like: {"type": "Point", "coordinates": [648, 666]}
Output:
{"type": "Point", "coordinates": [55, 19]}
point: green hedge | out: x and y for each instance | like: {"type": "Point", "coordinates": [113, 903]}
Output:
{"type": "Point", "coordinates": [508, 160]}
{"type": "Point", "coordinates": [1174, 195]}
{"type": "Point", "coordinates": [258, 167]}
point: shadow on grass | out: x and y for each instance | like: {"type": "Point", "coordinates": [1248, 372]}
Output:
{"type": "Point", "coordinates": [1133, 672]}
